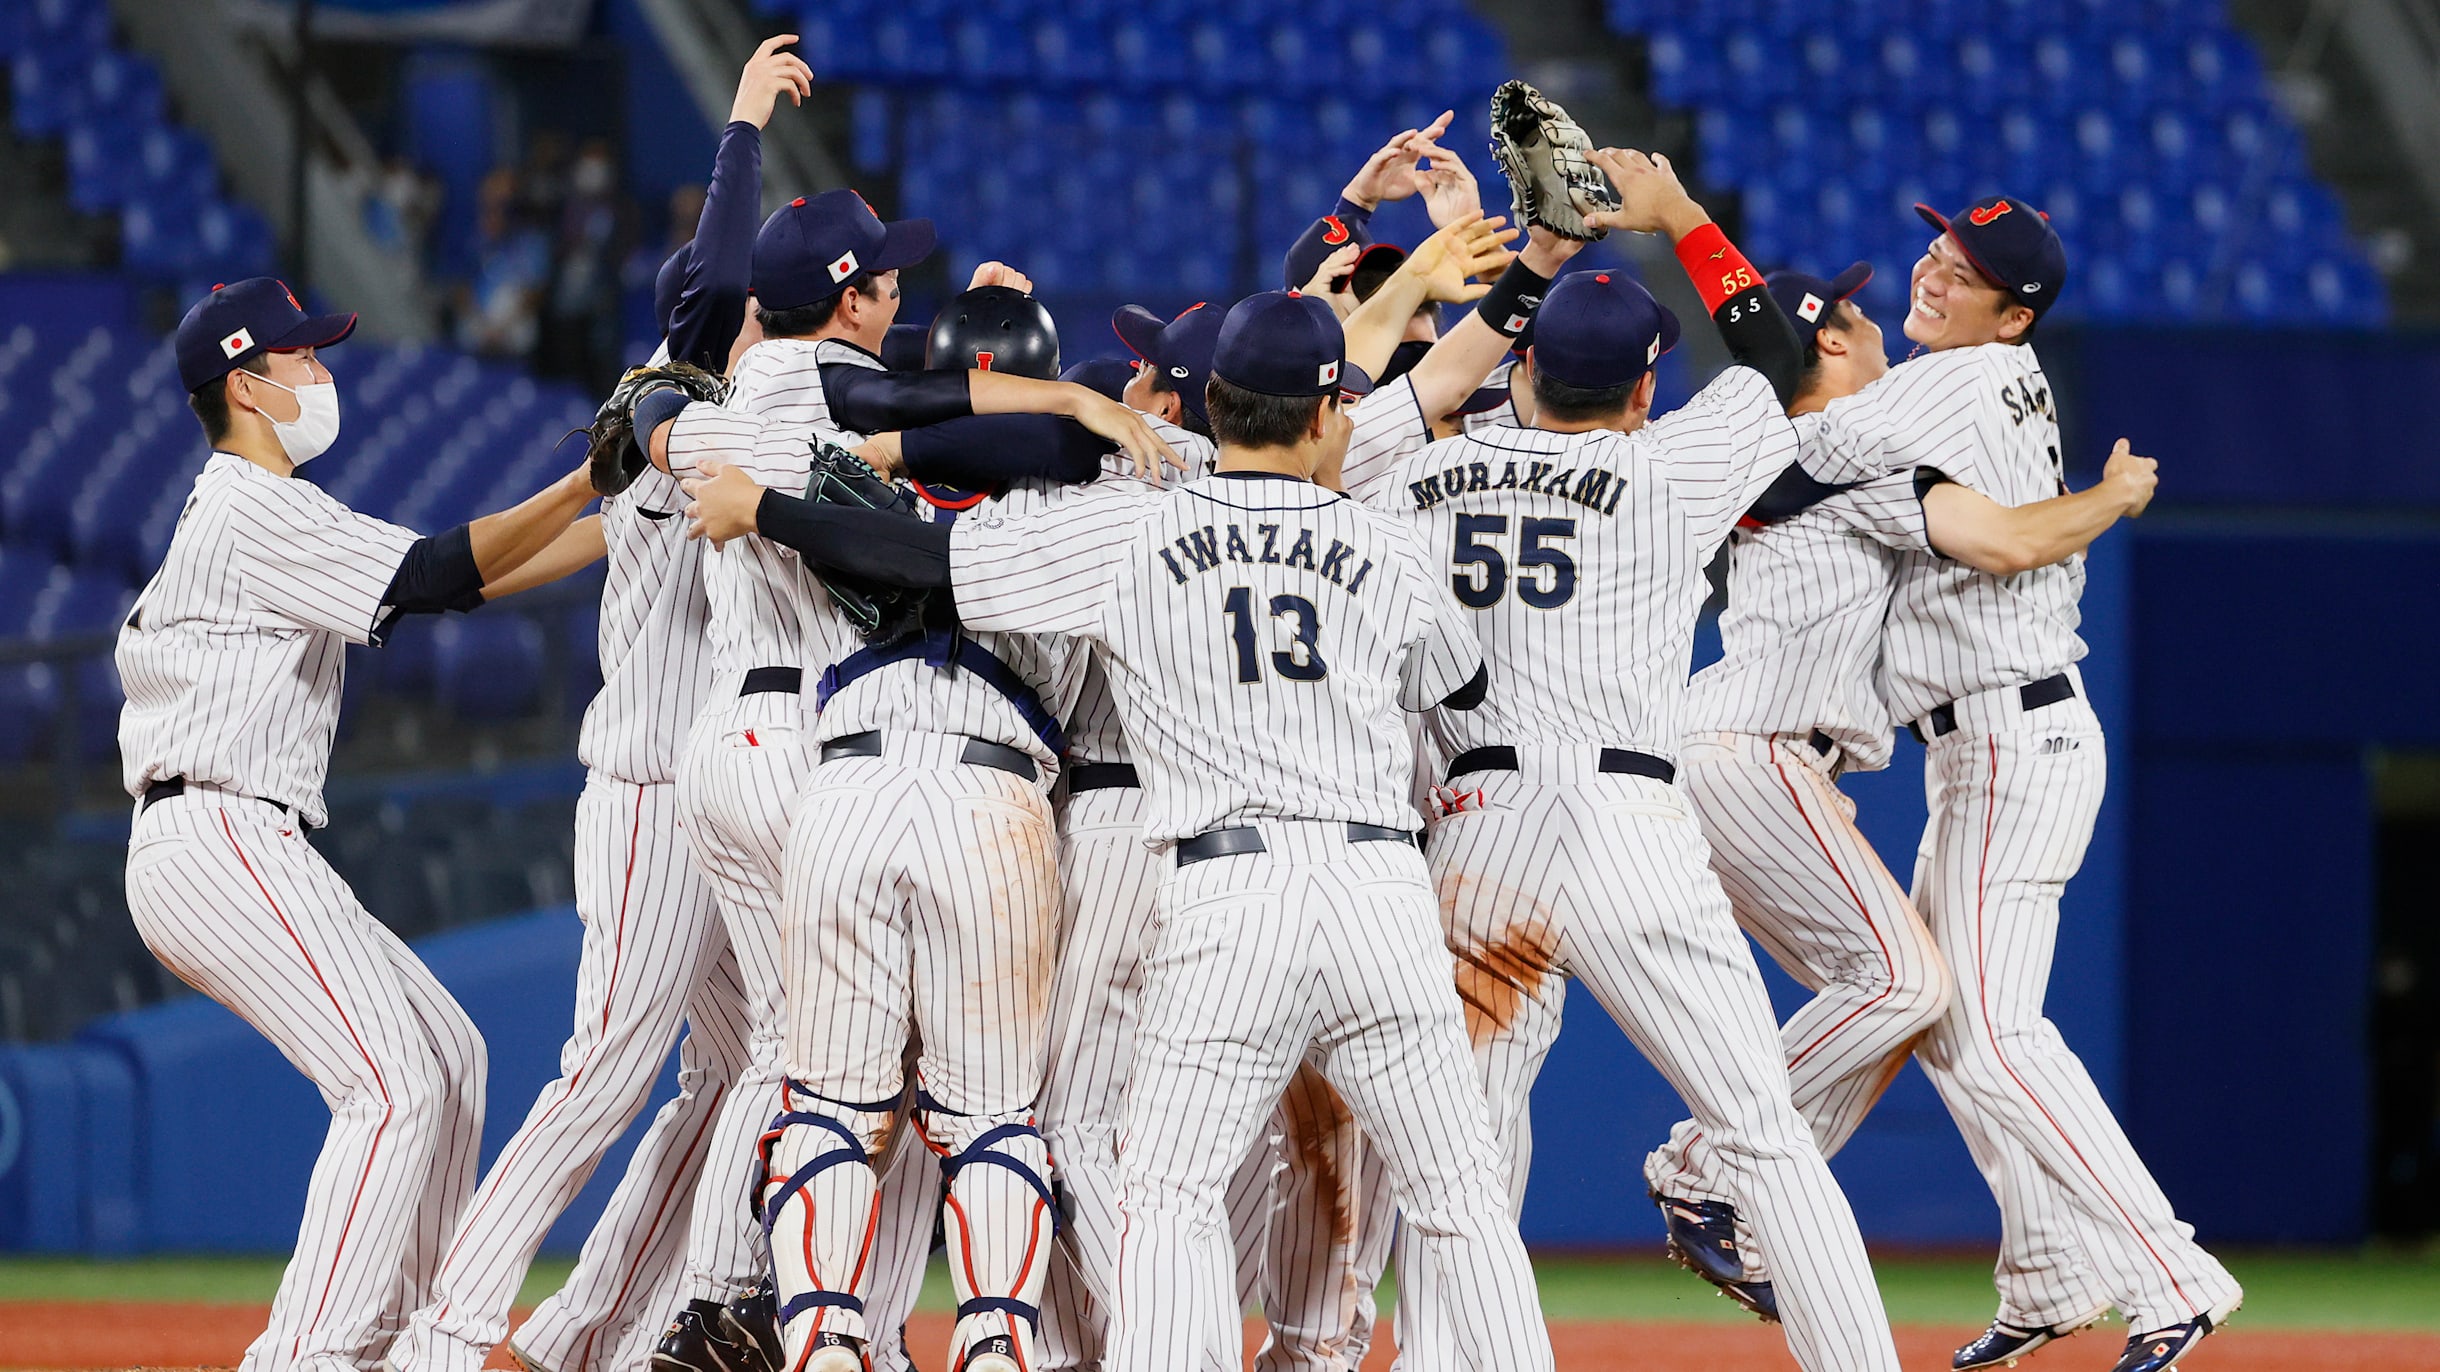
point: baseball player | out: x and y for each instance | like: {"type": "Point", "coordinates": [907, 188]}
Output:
{"type": "Point", "coordinates": [1978, 658]}
{"type": "Point", "coordinates": [231, 662]}
{"type": "Point", "coordinates": [654, 947]}
{"type": "Point", "coordinates": [1256, 631]}
{"type": "Point", "coordinates": [985, 1062]}
{"type": "Point", "coordinates": [1562, 848]}
{"type": "Point", "coordinates": [1791, 706]}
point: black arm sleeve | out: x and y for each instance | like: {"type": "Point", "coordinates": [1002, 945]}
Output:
{"type": "Point", "coordinates": [870, 545]}
{"type": "Point", "coordinates": [869, 401]}
{"type": "Point", "coordinates": [1471, 694]}
{"type": "Point", "coordinates": [1759, 336]}
{"type": "Point", "coordinates": [1790, 495]}
{"type": "Point", "coordinates": [987, 451]}
{"type": "Point", "coordinates": [438, 573]}
{"type": "Point", "coordinates": [712, 304]}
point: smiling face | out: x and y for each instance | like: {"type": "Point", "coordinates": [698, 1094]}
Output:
{"type": "Point", "coordinates": [1951, 305]}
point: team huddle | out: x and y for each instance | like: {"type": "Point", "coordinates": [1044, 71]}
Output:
{"type": "Point", "coordinates": [1134, 827]}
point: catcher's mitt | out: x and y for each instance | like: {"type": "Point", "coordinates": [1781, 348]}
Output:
{"type": "Point", "coordinates": [611, 451]}
{"type": "Point", "coordinates": [883, 614]}
{"type": "Point", "coordinates": [1542, 152]}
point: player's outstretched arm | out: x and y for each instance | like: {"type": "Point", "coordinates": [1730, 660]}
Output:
{"type": "Point", "coordinates": [1463, 358]}
{"type": "Point", "coordinates": [448, 571]}
{"type": "Point", "coordinates": [876, 546]}
{"type": "Point", "coordinates": [1974, 529]}
{"type": "Point", "coordinates": [1653, 200]}
{"type": "Point", "coordinates": [1439, 270]}
{"type": "Point", "coordinates": [579, 546]}
{"type": "Point", "coordinates": [711, 306]}
{"type": "Point", "coordinates": [869, 401]}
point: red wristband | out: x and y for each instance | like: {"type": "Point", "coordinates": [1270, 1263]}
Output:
{"type": "Point", "coordinates": [1715, 266]}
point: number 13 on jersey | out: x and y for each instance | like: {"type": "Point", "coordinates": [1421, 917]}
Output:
{"type": "Point", "coordinates": [1301, 660]}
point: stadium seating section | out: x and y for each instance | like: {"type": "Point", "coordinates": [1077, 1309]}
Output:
{"type": "Point", "coordinates": [1153, 147]}
{"type": "Point", "coordinates": [2144, 128]}
{"type": "Point", "coordinates": [125, 156]}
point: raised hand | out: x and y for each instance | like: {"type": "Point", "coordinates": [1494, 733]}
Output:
{"type": "Point", "coordinates": [1387, 174]}
{"type": "Point", "coordinates": [1447, 186]}
{"type": "Point", "coordinates": [1473, 245]}
{"type": "Point", "coordinates": [1341, 300]}
{"type": "Point", "coordinates": [1124, 427]}
{"type": "Point", "coordinates": [2132, 477]}
{"type": "Point", "coordinates": [768, 75]}
{"type": "Point", "coordinates": [1651, 199]}
{"type": "Point", "coordinates": [1000, 274]}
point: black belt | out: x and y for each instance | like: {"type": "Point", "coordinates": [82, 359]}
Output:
{"type": "Point", "coordinates": [1212, 843]}
{"type": "Point", "coordinates": [2033, 695]}
{"type": "Point", "coordinates": [1502, 758]}
{"type": "Point", "coordinates": [1101, 776]}
{"type": "Point", "coordinates": [980, 752]}
{"type": "Point", "coordinates": [176, 786]}
{"type": "Point", "coordinates": [772, 681]}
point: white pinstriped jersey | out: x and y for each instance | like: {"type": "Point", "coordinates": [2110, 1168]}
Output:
{"type": "Point", "coordinates": [1580, 557]}
{"type": "Point", "coordinates": [1093, 730]}
{"type": "Point", "coordinates": [1259, 633]}
{"type": "Point", "coordinates": [1387, 427]}
{"type": "Point", "coordinates": [656, 661]}
{"type": "Point", "coordinates": [757, 588]}
{"type": "Point", "coordinates": [1984, 417]}
{"type": "Point", "coordinates": [1801, 636]}
{"type": "Point", "coordinates": [232, 658]}
{"type": "Point", "coordinates": [1498, 416]}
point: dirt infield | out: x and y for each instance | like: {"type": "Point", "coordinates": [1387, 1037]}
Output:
{"type": "Point", "coordinates": [83, 1335]}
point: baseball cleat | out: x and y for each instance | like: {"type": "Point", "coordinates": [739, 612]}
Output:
{"type": "Point", "coordinates": [751, 1322]}
{"type": "Point", "coordinates": [695, 1342]}
{"type": "Point", "coordinates": [526, 1361]}
{"type": "Point", "coordinates": [2159, 1350]}
{"type": "Point", "coordinates": [2003, 1343]}
{"type": "Point", "coordinates": [1703, 1240]}
{"type": "Point", "coordinates": [995, 1354]}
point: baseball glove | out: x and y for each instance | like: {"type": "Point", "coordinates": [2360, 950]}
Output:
{"type": "Point", "coordinates": [883, 614]}
{"type": "Point", "coordinates": [1542, 152]}
{"type": "Point", "coordinates": [614, 458]}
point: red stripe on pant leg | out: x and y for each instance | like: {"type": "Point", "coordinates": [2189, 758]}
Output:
{"type": "Point", "coordinates": [660, 1212]}
{"type": "Point", "coordinates": [567, 1092]}
{"type": "Point", "coordinates": [1982, 877]}
{"type": "Point", "coordinates": [347, 1225]}
{"type": "Point", "coordinates": [1888, 964]}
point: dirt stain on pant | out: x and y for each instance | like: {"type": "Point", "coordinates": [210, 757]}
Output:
{"type": "Point", "coordinates": [1498, 974]}
{"type": "Point", "coordinates": [1320, 1126]}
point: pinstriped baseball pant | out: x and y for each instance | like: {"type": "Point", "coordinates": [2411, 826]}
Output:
{"type": "Point", "coordinates": [1560, 870]}
{"type": "Point", "coordinates": [1317, 942]}
{"type": "Point", "coordinates": [1294, 1204]}
{"type": "Point", "coordinates": [1803, 880]}
{"type": "Point", "coordinates": [654, 952]}
{"type": "Point", "coordinates": [230, 897]}
{"type": "Point", "coordinates": [2013, 802]}
{"type": "Point", "coordinates": [740, 782]}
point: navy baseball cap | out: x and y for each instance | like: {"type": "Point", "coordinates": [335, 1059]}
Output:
{"type": "Point", "coordinates": [1286, 343]}
{"type": "Point", "coordinates": [809, 248]}
{"type": "Point", "coordinates": [241, 321]}
{"type": "Point", "coordinates": [1180, 347]}
{"type": "Point", "coordinates": [2012, 244]}
{"type": "Point", "coordinates": [1327, 235]}
{"type": "Point", "coordinates": [1105, 375]}
{"type": "Point", "coordinates": [1600, 329]}
{"type": "Point", "coordinates": [1807, 300]}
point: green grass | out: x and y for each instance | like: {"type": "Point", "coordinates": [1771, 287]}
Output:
{"type": "Point", "coordinates": [2283, 1289]}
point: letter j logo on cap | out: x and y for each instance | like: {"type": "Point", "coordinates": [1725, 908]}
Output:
{"type": "Point", "coordinates": [1811, 310]}
{"type": "Point", "coordinates": [236, 343]}
{"type": "Point", "coordinates": [844, 268]}
{"type": "Point", "coordinates": [1988, 213]}
{"type": "Point", "coordinates": [1329, 374]}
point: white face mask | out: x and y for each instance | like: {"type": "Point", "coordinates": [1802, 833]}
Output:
{"type": "Point", "coordinates": [316, 426]}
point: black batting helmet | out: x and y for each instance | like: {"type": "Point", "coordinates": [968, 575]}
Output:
{"type": "Point", "coordinates": [995, 329]}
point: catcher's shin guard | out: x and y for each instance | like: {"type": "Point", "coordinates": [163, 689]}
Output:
{"type": "Point", "coordinates": [1000, 1219]}
{"type": "Point", "coordinates": [818, 1192]}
